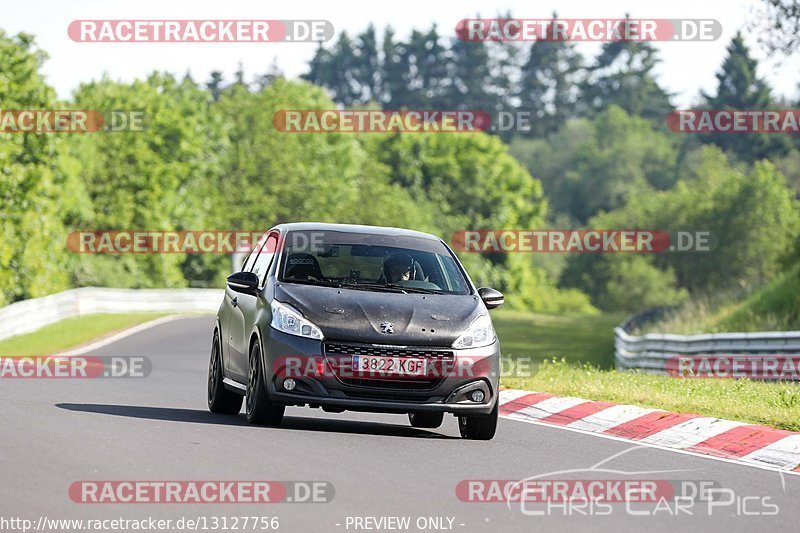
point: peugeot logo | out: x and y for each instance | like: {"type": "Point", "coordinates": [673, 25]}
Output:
{"type": "Point", "coordinates": [387, 327]}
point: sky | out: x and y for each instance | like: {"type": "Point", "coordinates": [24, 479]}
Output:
{"type": "Point", "coordinates": [686, 68]}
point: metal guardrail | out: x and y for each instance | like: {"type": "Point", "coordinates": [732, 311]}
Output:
{"type": "Point", "coordinates": [653, 352]}
{"type": "Point", "coordinates": [29, 315]}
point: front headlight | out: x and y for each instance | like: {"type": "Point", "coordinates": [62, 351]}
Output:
{"type": "Point", "coordinates": [479, 334]}
{"type": "Point", "coordinates": [287, 319]}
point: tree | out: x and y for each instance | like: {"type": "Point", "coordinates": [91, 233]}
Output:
{"type": "Point", "coordinates": [215, 84]}
{"type": "Point", "coordinates": [475, 184]}
{"type": "Point", "coordinates": [368, 66]}
{"type": "Point", "coordinates": [239, 76]}
{"type": "Point", "coordinates": [273, 176]}
{"type": "Point", "coordinates": [320, 68]}
{"type": "Point", "coordinates": [623, 75]}
{"type": "Point", "coordinates": [36, 195]}
{"type": "Point", "coordinates": [395, 93]}
{"type": "Point", "coordinates": [273, 73]}
{"type": "Point", "coordinates": [751, 217]}
{"type": "Point", "coordinates": [427, 76]}
{"type": "Point", "coordinates": [158, 179]}
{"type": "Point", "coordinates": [471, 77]}
{"type": "Point", "coordinates": [779, 25]}
{"type": "Point", "coordinates": [338, 70]}
{"type": "Point", "coordinates": [599, 165]}
{"type": "Point", "coordinates": [740, 88]}
{"type": "Point", "coordinates": [548, 88]}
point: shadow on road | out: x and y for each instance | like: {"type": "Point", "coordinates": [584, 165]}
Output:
{"type": "Point", "coordinates": [199, 416]}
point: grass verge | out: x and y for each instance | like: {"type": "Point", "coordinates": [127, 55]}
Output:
{"type": "Point", "coordinates": [774, 306]}
{"type": "Point", "coordinates": [576, 338]}
{"type": "Point", "coordinates": [70, 333]}
{"type": "Point", "coordinates": [770, 404]}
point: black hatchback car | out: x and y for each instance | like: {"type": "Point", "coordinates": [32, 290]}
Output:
{"type": "Point", "coordinates": [360, 318]}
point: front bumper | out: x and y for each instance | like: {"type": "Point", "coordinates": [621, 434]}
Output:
{"type": "Point", "coordinates": [319, 382]}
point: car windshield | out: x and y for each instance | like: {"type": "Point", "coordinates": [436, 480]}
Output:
{"type": "Point", "coordinates": [371, 262]}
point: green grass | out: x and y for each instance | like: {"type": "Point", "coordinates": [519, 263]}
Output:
{"type": "Point", "coordinates": [771, 404]}
{"type": "Point", "coordinates": [578, 338]}
{"type": "Point", "coordinates": [774, 306]}
{"type": "Point", "coordinates": [583, 348]}
{"type": "Point", "coordinates": [70, 333]}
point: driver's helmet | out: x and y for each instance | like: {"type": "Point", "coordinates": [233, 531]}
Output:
{"type": "Point", "coordinates": [397, 265]}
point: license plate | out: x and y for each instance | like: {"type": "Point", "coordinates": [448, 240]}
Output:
{"type": "Point", "coordinates": [404, 366]}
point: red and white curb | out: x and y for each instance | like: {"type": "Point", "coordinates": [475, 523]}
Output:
{"type": "Point", "coordinates": [751, 444]}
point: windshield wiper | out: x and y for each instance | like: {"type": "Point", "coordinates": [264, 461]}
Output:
{"type": "Point", "coordinates": [375, 287]}
{"type": "Point", "coordinates": [391, 287]}
{"type": "Point", "coordinates": [314, 281]}
{"type": "Point", "coordinates": [415, 290]}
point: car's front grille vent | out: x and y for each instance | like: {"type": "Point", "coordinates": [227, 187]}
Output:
{"type": "Point", "coordinates": [438, 362]}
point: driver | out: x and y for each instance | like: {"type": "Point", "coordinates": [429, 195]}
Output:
{"type": "Point", "coordinates": [398, 267]}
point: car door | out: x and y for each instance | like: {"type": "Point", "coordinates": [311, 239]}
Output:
{"type": "Point", "coordinates": [235, 325]}
{"type": "Point", "coordinates": [244, 308]}
{"type": "Point", "coordinates": [224, 315]}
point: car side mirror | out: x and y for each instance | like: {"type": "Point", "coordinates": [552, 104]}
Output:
{"type": "Point", "coordinates": [491, 297]}
{"type": "Point", "coordinates": [244, 282]}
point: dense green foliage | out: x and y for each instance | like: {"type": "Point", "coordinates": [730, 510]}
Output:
{"type": "Point", "coordinates": [210, 158]}
{"type": "Point", "coordinates": [752, 217]}
{"type": "Point", "coordinates": [771, 307]}
{"type": "Point", "coordinates": [598, 156]}
{"type": "Point", "coordinates": [32, 234]}
{"type": "Point", "coordinates": [144, 180]}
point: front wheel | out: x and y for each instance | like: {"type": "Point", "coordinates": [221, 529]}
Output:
{"type": "Point", "coordinates": [481, 427]}
{"type": "Point", "coordinates": [260, 410]}
{"type": "Point", "coordinates": [220, 399]}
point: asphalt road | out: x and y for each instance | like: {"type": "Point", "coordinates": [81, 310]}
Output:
{"type": "Point", "coordinates": [58, 431]}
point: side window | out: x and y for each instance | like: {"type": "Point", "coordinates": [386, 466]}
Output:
{"type": "Point", "coordinates": [264, 259]}
{"type": "Point", "coordinates": [243, 267]}
{"type": "Point", "coordinates": [248, 263]}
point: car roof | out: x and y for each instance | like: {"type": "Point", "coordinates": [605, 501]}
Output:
{"type": "Point", "coordinates": [353, 228]}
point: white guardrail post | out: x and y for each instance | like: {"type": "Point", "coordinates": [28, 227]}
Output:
{"type": "Point", "coordinates": [29, 315]}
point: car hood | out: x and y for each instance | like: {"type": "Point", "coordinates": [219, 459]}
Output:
{"type": "Point", "coordinates": [356, 315]}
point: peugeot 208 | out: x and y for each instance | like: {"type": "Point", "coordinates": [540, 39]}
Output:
{"type": "Point", "coordinates": [360, 318]}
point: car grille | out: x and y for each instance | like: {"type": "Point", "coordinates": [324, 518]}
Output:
{"type": "Point", "coordinates": [439, 363]}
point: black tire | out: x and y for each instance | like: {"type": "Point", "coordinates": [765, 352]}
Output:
{"type": "Point", "coordinates": [481, 427]}
{"type": "Point", "coordinates": [260, 410]}
{"type": "Point", "coordinates": [426, 420]}
{"type": "Point", "coordinates": [220, 399]}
